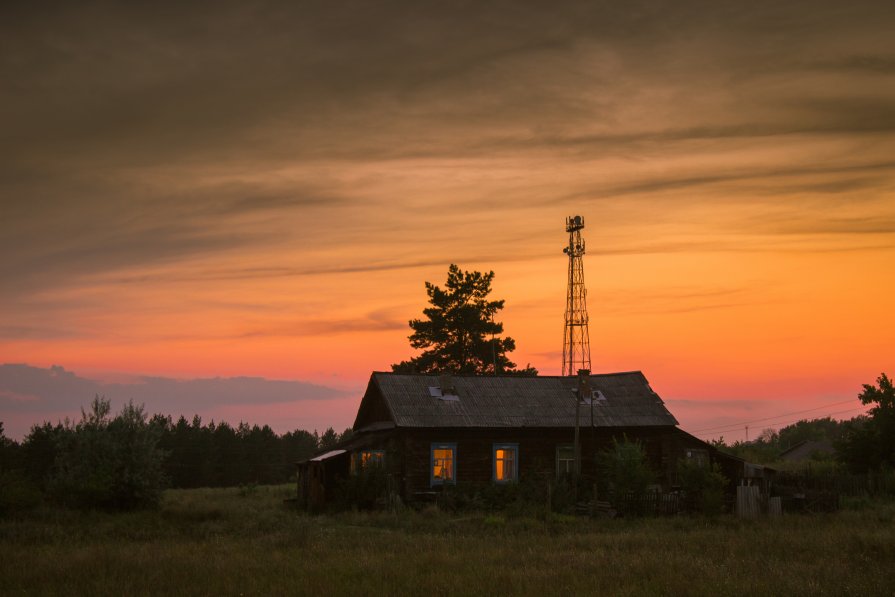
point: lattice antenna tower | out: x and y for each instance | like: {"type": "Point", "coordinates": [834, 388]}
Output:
{"type": "Point", "coordinates": [576, 338]}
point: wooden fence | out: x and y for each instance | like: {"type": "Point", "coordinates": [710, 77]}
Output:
{"type": "Point", "coordinates": [652, 503]}
{"type": "Point", "coordinates": [870, 484]}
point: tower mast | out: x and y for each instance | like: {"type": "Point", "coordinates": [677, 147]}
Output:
{"type": "Point", "coordinates": [576, 338]}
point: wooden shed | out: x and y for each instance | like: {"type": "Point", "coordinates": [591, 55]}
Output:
{"type": "Point", "coordinates": [427, 432]}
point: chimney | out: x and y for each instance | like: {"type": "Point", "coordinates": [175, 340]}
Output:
{"type": "Point", "coordinates": [583, 385]}
{"type": "Point", "coordinates": [447, 384]}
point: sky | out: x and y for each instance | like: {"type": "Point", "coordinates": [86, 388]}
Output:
{"type": "Point", "coordinates": [239, 190]}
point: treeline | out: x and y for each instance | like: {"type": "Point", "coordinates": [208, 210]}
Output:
{"type": "Point", "coordinates": [126, 460]}
{"type": "Point", "coordinates": [771, 443]}
{"type": "Point", "coordinates": [221, 455]}
{"type": "Point", "coordinates": [863, 444]}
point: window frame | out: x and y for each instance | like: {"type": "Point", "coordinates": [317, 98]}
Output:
{"type": "Point", "coordinates": [571, 448]}
{"type": "Point", "coordinates": [357, 460]}
{"type": "Point", "coordinates": [505, 446]}
{"type": "Point", "coordinates": [452, 446]}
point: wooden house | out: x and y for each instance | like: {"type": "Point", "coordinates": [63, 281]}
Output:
{"type": "Point", "coordinates": [427, 432]}
{"type": "Point", "coordinates": [809, 450]}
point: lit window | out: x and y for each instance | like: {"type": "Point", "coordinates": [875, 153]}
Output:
{"type": "Point", "coordinates": [506, 462]}
{"type": "Point", "coordinates": [443, 463]}
{"type": "Point", "coordinates": [565, 460]}
{"type": "Point", "coordinates": [366, 459]}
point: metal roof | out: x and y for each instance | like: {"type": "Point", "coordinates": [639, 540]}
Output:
{"type": "Point", "coordinates": [327, 455]}
{"type": "Point", "coordinates": [512, 401]}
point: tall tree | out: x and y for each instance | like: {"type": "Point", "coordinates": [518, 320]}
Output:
{"type": "Point", "coordinates": [869, 443]}
{"type": "Point", "coordinates": [9, 451]}
{"type": "Point", "coordinates": [458, 333]}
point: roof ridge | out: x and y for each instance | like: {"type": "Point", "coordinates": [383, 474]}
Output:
{"type": "Point", "coordinates": [489, 376]}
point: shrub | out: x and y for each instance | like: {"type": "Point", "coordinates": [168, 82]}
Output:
{"type": "Point", "coordinates": [111, 463]}
{"type": "Point", "coordinates": [363, 489]}
{"type": "Point", "coordinates": [17, 493]}
{"type": "Point", "coordinates": [40, 449]}
{"type": "Point", "coordinates": [703, 485]}
{"type": "Point", "coordinates": [626, 475]}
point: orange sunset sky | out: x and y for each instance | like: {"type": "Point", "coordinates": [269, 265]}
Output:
{"type": "Point", "coordinates": [261, 191]}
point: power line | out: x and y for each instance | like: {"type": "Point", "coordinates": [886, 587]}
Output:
{"type": "Point", "coordinates": [735, 426]}
{"type": "Point", "coordinates": [792, 420]}
{"type": "Point", "coordinates": [742, 423]}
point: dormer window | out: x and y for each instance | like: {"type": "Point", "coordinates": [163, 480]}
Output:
{"type": "Point", "coordinates": [444, 390]}
{"type": "Point", "coordinates": [593, 397]}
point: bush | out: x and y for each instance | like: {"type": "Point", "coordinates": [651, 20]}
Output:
{"type": "Point", "coordinates": [626, 475]}
{"type": "Point", "coordinates": [109, 463]}
{"type": "Point", "coordinates": [40, 450]}
{"type": "Point", "coordinates": [17, 493]}
{"type": "Point", "coordinates": [562, 496]}
{"type": "Point", "coordinates": [704, 486]}
{"type": "Point", "coordinates": [364, 489]}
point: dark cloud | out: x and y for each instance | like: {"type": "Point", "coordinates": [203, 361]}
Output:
{"type": "Point", "coordinates": [36, 390]}
{"type": "Point", "coordinates": [138, 137]}
{"type": "Point", "coordinates": [787, 225]}
{"type": "Point", "coordinates": [29, 332]}
{"type": "Point", "coordinates": [675, 300]}
{"type": "Point", "coordinates": [375, 321]}
{"type": "Point", "coordinates": [345, 81]}
{"type": "Point", "coordinates": [871, 64]}
{"type": "Point", "coordinates": [771, 173]}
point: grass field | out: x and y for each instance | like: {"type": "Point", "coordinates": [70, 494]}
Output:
{"type": "Point", "coordinates": [232, 542]}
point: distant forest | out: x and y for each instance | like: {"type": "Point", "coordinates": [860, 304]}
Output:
{"type": "Point", "coordinates": [768, 446]}
{"type": "Point", "coordinates": [193, 454]}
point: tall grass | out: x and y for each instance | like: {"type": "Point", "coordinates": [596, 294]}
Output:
{"type": "Point", "coordinates": [230, 542]}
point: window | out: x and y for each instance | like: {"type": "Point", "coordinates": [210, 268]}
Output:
{"type": "Point", "coordinates": [506, 463]}
{"type": "Point", "coordinates": [443, 459]}
{"type": "Point", "coordinates": [565, 460]}
{"type": "Point", "coordinates": [365, 459]}
{"type": "Point", "coordinates": [594, 397]}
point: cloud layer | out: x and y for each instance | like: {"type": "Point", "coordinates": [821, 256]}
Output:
{"type": "Point", "coordinates": [32, 394]}
{"type": "Point", "coordinates": [262, 190]}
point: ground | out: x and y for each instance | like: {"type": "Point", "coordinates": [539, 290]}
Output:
{"type": "Point", "coordinates": [245, 541]}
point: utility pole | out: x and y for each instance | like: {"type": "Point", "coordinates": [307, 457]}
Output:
{"type": "Point", "coordinates": [582, 392]}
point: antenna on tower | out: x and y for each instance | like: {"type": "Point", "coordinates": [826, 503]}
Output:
{"type": "Point", "coordinates": [576, 338]}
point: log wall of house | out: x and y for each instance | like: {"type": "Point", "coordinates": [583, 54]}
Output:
{"type": "Point", "coordinates": [408, 452]}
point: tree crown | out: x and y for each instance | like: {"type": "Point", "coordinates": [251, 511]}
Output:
{"type": "Point", "coordinates": [458, 333]}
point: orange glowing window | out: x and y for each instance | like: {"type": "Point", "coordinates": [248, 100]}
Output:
{"type": "Point", "coordinates": [443, 463]}
{"type": "Point", "coordinates": [366, 459]}
{"type": "Point", "coordinates": [506, 461]}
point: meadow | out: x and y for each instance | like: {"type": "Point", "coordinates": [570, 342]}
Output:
{"type": "Point", "coordinates": [247, 542]}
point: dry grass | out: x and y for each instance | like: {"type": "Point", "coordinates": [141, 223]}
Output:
{"type": "Point", "coordinates": [227, 542]}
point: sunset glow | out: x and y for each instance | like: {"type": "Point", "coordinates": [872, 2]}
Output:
{"type": "Point", "coordinates": [178, 206]}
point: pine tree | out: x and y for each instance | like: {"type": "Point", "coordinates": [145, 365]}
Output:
{"type": "Point", "coordinates": [458, 333]}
